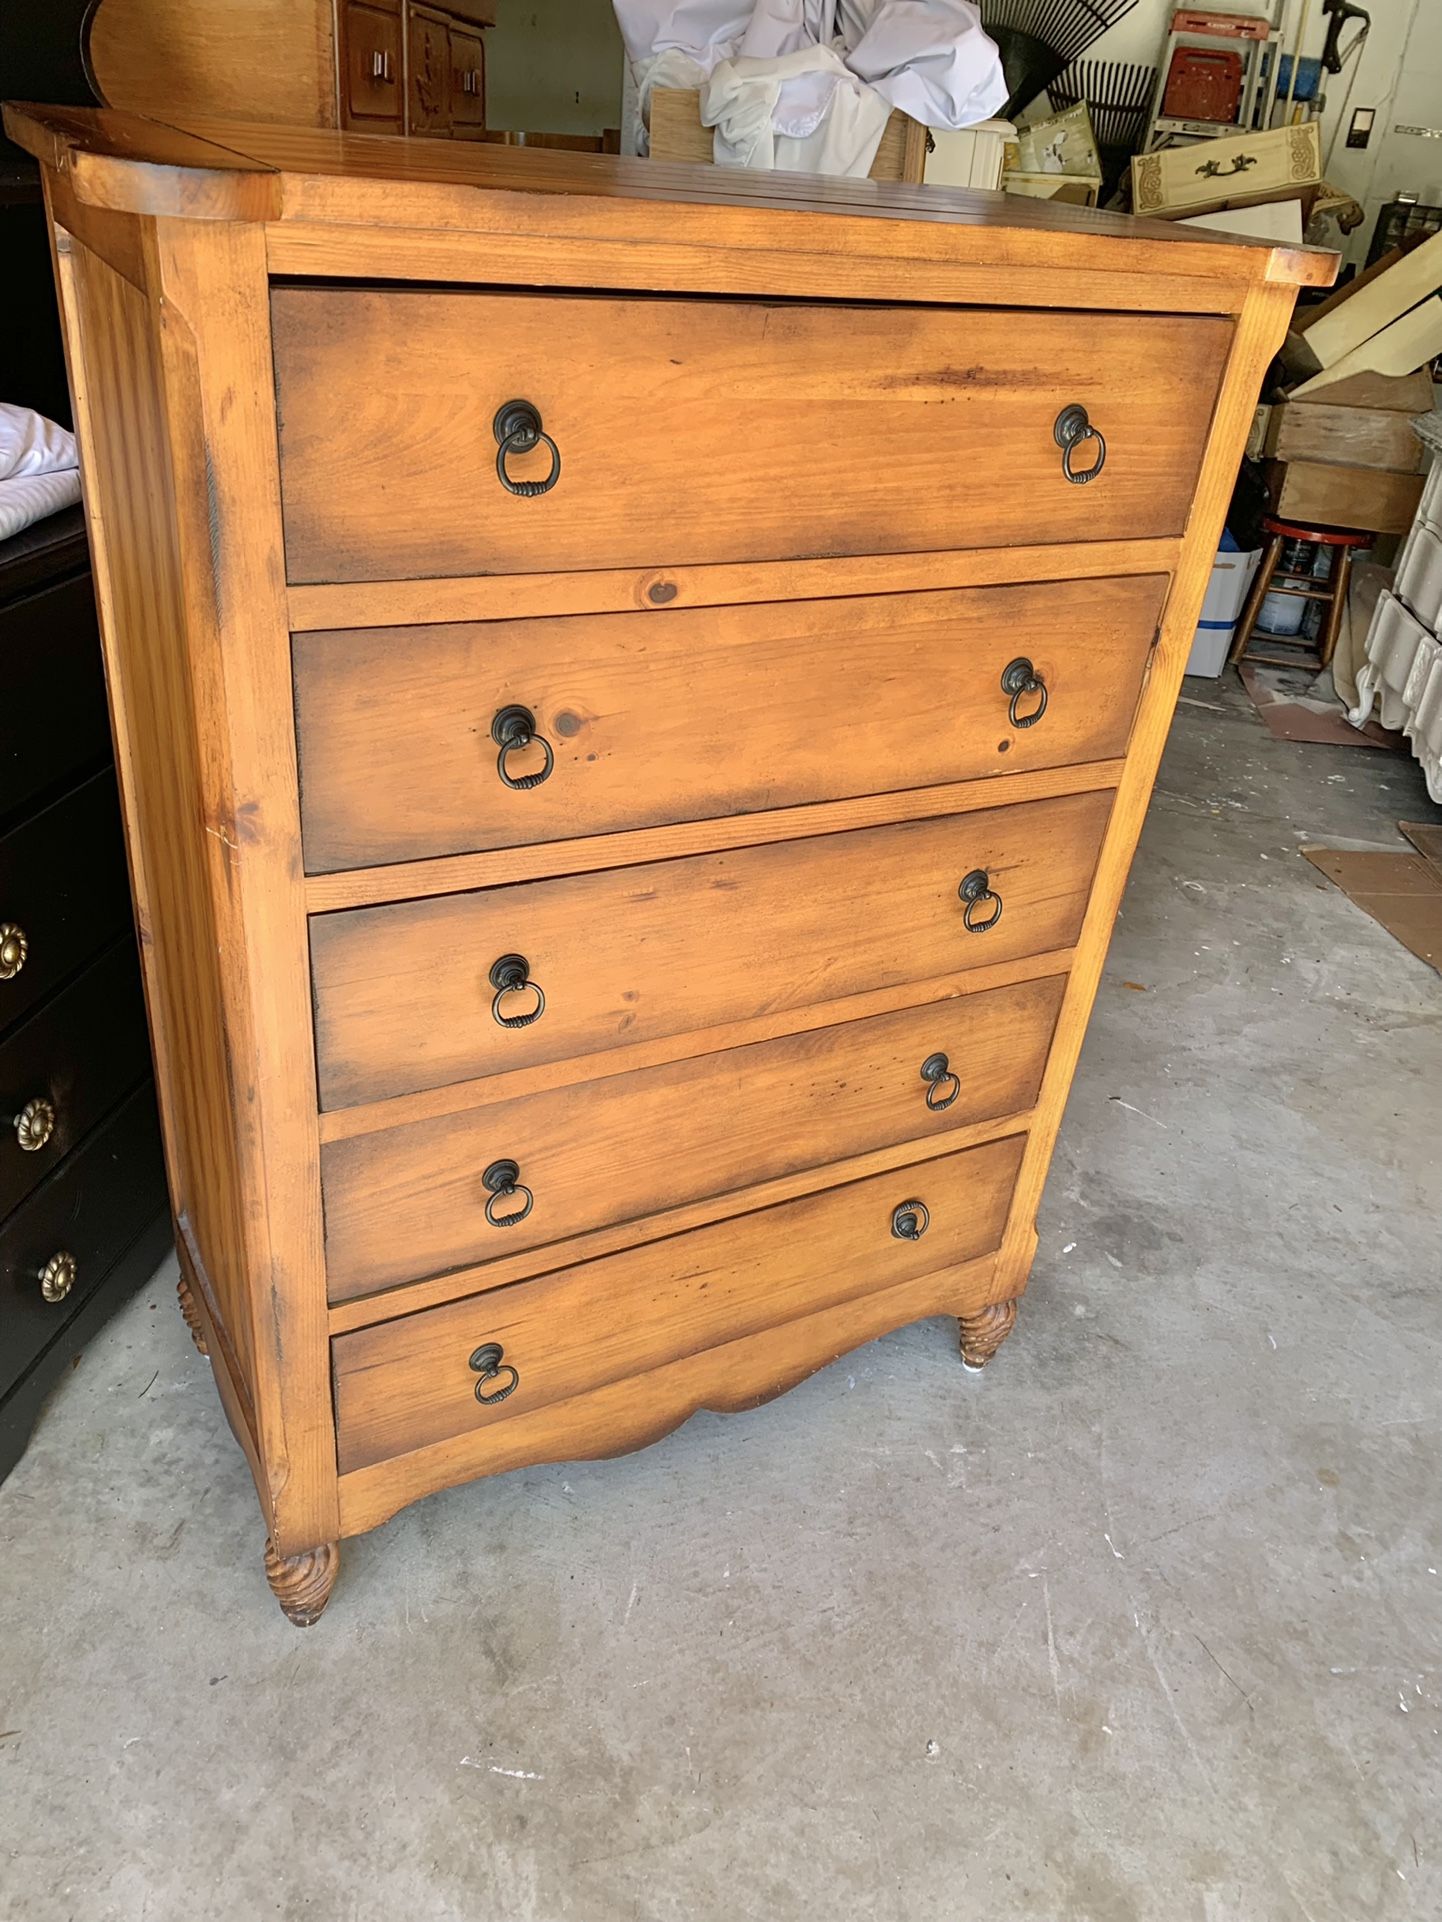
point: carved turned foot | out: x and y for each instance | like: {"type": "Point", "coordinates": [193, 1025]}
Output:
{"type": "Point", "coordinates": [188, 1309]}
{"type": "Point", "coordinates": [302, 1583]}
{"type": "Point", "coordinates": [984, 1332]}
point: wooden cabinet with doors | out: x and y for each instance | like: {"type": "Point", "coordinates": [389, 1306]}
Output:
{"type": "Point", "coordinates": [379, 66]}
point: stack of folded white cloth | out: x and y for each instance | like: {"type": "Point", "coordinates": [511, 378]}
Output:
{"type": "Point", "coordinates": [39, 470]}
{"type": "Point", "coordinates": [810, 84]}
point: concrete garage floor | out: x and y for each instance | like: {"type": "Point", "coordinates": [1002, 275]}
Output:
{"type": "Point", "coordinates": [1140, 1626]}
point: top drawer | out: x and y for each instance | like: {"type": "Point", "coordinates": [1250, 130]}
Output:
{"type": "Point", "coordinates": [695, 431]}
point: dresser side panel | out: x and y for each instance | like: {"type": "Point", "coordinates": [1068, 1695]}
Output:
{"type": "Point", "coordinates": [215, 358]}
{"type": "Point", "coordinates": [1261, 329]}
{"type": "Point", "coordinates": [130, 507]}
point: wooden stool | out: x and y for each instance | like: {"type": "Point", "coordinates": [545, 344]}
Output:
{"type": "Point", "coordinates": [1333, 591]}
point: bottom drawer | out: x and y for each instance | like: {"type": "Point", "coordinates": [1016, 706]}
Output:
{"type": "Point", "coordinates": [405, 1384]}
{"type": "Point", "coordinates": [77, 1223]}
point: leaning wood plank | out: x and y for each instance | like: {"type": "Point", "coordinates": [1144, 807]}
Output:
{"type": "Point", "coordinates": [1410, 342]}
{"type": "Point", "coordinates": [1349, 323]}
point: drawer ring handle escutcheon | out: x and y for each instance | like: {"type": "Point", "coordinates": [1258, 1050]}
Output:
{"type": "Point", "coordinates": [976, 890]}
{"type": "Point", "coordinates": [1018, 679]}
{"type": "Point", "coordinates": [513, 731]}
{"type": "Point", "coordinates": [512, 975]}
{"type": "Point", "coordinates": [490, 1364]}
{"type": "Point", "coordinates": [13, 949]}
{"type": "Point", "coordinates": [34, 1124]}
{"type": "Point", "coordinates": [910, 1220]}
{"type": "Point", "coordinates": [517, 427]}
{"type": "Point", "coordinates": [502, 1180]}
{"type": "Point", "coordinates": [1071, 430]}
{"type": "Point", "coordinates": [58, 1276]}
{"type": "Point", "coordinates": [943, 1085]}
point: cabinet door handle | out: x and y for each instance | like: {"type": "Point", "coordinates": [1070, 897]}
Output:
{"type": "Point", "coordinates": [490, 1364]}
{"type": "Point", "coordinates": [513, 730]}
{"type": "Point", "coordinates": [512, 975]}
{"type": "Point", "coordinates": [942, 1086]}
{"type": "Point", "coordinates": [502, 1180]}
{"type": "Point", "coordinates": [34, 1124]}
{"type": "Point", "coordinates": [910, 1220]}
{"type": "Point", "coordinates": [1071, 430]}
{"type": "Point", "coordinates": [57, 1277]}
{"type": "Point", "coordinates": [976, 890]}
{"type": "Point", "coordinates": [1019, 679]}
{"type": "Point", "coordinates": [13, 949]}
{"type": "Point", "coordinates": [517, 428]}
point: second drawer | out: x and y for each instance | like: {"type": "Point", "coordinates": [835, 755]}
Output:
{"type": "Point", "coordinates": [410, 1202]}
{"type": "Point", "coordinates": [421, 741]}
{"type": "Point", "coordinates": [424, 993]}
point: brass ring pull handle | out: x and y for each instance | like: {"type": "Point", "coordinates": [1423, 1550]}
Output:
{"type": "Point", "coordinates": [57, 1277]}
{"type": "Point", "coordinates": [1072, 430]}
{"type": "Point", "coordinates": [34, 1124]}
{"type": "Point", "coordinates": [942, 1086]}
{"type": "Point", "coordinates": [976, 890]}
{"type": "Point", "coordinates": [517, 428]}
{"type": "Point", "coordinates": [13, 949]}
{"type": "Point", "coordinates": [490, 1364]}
{"type": "Point", "coordinates": [1018, 679]}
{"type": "Point", "coordinates": [513, 731]}
{"type": "Point", "coordinates": [502, 1180]}
{"type": "Point", "coordinates": [511, 975]}
{"type": "Point", "coordinates": [910, 1220]}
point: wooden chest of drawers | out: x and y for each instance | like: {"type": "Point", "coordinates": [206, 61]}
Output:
{"type": "Point", "coordinates": [639, 691]}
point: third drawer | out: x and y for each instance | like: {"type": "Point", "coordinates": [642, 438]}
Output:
{"type": "Point", "coordinates": [408, 1202]}
{"type": "Point", "coordinates": [420, 994]}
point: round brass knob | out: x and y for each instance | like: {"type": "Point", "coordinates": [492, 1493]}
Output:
{"type": "Point", "coordinates": [34, 1124]}
{"type": "Point", "coordinates": [57, 1277]}
{"type": "Point", "coordinates": [13, 950]}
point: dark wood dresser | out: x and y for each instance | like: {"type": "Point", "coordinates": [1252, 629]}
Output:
{"type": "Point", "coordinates": [83, 1215]}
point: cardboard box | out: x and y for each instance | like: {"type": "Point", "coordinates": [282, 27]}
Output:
{"type": "Point", "coordinates": [1237, 171]}
{"type": "Point", "coordinates": [1055, 159]}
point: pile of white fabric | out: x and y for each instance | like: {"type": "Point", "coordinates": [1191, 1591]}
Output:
{"type": "Point", "coordinates": [810, 84]}
{"type": "Point", "coordinates": [39, 471]}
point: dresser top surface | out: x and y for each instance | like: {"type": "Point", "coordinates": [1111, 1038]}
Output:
{"type": "Point", "coordinates": [220, 170]}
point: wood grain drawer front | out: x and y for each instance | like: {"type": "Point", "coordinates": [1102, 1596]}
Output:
{"type": "Point", "coordinates": [411, 1202]}
{"type": "Point", "coordinates": [718, 430]}
{"type": "Point", "coordinates": [641, 719]}
{"type": "Point", "coordinates": [405, 1384]}
{"type": "Point", "coordinates": [404, 996]}
{"type": "Point", "coordinates": [373, 96]}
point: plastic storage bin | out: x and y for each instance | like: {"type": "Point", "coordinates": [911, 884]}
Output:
{"type": "Point", "coordinates": [1232, 573]}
